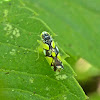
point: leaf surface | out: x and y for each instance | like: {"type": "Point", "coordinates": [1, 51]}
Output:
{"type": "Point", "coordinates": [22, 74]}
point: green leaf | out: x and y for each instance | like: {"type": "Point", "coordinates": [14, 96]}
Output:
{"type": "Point", "coordinates": [23, 76]}
{"type": "Point", "coordinates": [76, 23]}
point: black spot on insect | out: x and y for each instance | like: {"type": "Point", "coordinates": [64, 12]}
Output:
{"type": "Point", "coordinates": [56, 63]}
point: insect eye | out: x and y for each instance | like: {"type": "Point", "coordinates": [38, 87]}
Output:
{"type": "Point", "coordinates": [45, 36]}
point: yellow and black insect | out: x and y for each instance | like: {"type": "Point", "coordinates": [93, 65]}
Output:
{"type": "Point", "coordinates": [51, 51]}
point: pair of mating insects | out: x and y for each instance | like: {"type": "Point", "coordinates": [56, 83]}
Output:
{"type": "Point", "coordinates": [51, 51]}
